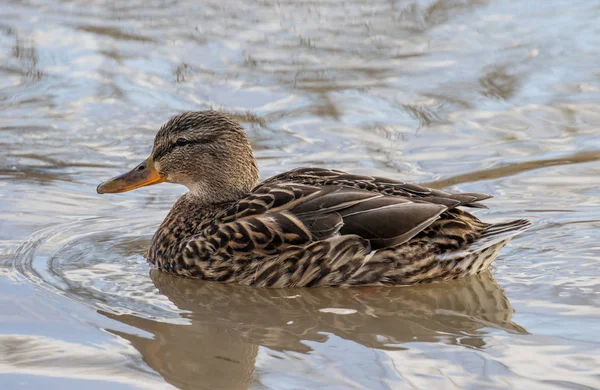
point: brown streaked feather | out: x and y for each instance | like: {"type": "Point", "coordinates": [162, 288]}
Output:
{"type": "Point", "coordinates": [324, 226]}
{"type": "Point", "coordinates": [383, 220]}
{"type": "Point", "coordinates": [316, 227]}
{"type": "Point", "coordinates": [322, 176]}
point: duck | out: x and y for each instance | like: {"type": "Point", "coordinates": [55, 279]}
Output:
{"type": "Point", "coordinates": [307, 227]}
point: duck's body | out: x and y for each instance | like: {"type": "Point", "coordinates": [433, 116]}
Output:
{"type": "Point", "coordinates": [307, 227]}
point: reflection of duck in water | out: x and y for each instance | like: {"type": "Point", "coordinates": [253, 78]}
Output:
{"type": "Point", "coordinates": [228, 323]}
{"type": "Point", "coordinates": [306, 227]}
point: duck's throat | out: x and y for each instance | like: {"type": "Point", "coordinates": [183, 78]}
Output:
{"type": "Point", "coordinates": [183, 221]}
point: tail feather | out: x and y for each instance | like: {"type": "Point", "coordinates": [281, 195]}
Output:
{"type": "Point", "coordinates": [479, 255]}
{"type": "Point", "coordinates": [499, 232]}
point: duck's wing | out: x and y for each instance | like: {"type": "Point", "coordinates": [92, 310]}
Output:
{"type": "Point", "coordinates": [287, 234]}
{"type": "Point", "coordinates": [278, 215]}
{"type": "Point", "coordinates": [323, 177]}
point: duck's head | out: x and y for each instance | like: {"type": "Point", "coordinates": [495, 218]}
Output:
{"type": "Point", "coordinates": [206, 151]}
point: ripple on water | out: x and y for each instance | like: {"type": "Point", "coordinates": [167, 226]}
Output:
{"type": "Point", "coordinates": [97, 262]}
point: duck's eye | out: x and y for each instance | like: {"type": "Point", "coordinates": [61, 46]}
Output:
{"type": "Point", "coordinates": [181, 142]}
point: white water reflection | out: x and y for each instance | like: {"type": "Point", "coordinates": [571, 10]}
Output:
{"type": "Point", "coordinates": [41, 356]}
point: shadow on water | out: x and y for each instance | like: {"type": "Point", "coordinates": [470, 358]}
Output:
{"type": "Point", "coordinates": [227, 324]}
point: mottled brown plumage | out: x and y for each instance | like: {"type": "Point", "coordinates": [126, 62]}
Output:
{"type": "Point", "coordinates": [304, 228]}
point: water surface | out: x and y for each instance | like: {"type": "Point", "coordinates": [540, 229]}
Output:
{"type": "Point", "coordinates": [491, 96]}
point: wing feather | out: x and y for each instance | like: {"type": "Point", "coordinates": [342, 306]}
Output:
{"type": "Point", "coordinates": [312, 204]}
{"type": "Point", "coordinates": [278, 215]}
{"type": "Point", "coordinates": [322, 177]}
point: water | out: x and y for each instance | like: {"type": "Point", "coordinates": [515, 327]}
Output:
{"type": "Point", "coordinates": [491, 96]}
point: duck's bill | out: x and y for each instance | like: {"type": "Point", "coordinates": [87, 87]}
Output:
{"type": "Point", "coordinates": [144, 174]}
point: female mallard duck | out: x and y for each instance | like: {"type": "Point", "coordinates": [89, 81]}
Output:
{"type": "Point", "coordinates": [307, 227]}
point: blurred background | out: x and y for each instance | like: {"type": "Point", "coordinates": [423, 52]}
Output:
{"type": "Point", "coordinates": [493, 96]}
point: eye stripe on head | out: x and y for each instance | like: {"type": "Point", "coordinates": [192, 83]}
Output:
{"type": "Point", "coordinates": [180, 142]}
{"type": "Point", "coordinates": [183, 141]}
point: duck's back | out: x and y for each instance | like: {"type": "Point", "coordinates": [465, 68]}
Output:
{"type": "Point", "coordinates": [318, 227]}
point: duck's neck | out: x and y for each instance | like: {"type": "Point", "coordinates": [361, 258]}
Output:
{"type": "Point", "coordinates": [183, 221]}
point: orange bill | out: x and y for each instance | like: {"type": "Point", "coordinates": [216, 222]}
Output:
{"type": "Point", "coordinates": [144, 174]}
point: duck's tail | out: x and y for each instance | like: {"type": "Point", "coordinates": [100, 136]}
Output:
{"type": "Point", "coordinates": [478, 256]}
